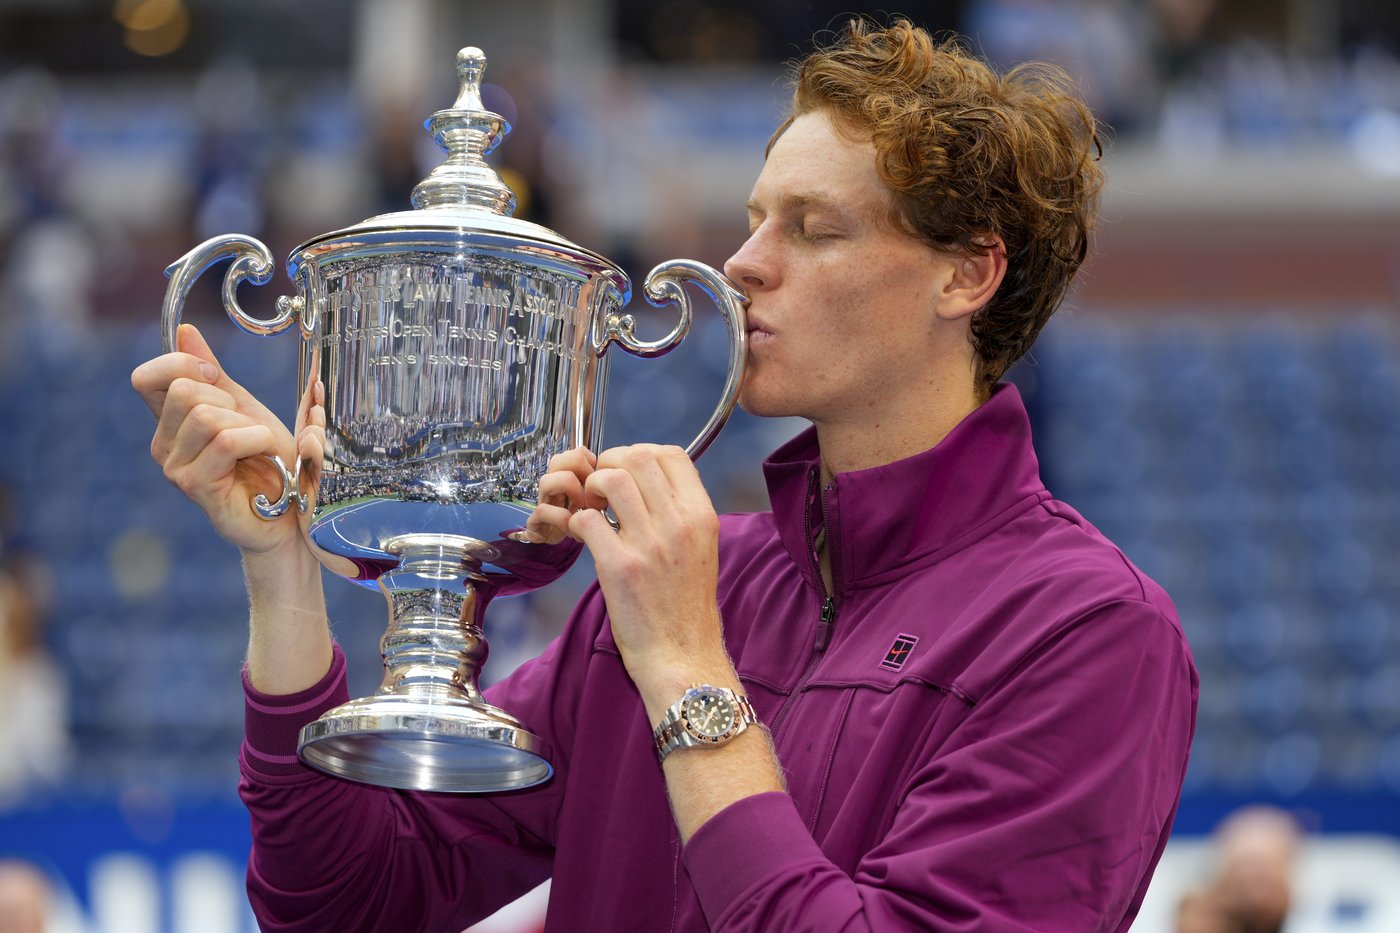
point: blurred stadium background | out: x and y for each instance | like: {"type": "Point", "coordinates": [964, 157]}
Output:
{"type": "Point", "coordinates": [1221, 395]}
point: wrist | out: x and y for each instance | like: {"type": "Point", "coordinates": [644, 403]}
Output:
{"type": "Point", "coordinates": [664, 668]}
{"type": "Point", "coordinates": [284, 569]}
{"type": "Point", "coordinates": [662, 685]}
{"type": "Point", "coordinates": [289, 641]}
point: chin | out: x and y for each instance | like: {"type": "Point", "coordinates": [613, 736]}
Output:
{"type": "Point", "coordinates": [754, 405]}
{"type": "Point", "coordinates": [762, 405]}
{"type": "Point", "coordinates": [771, 392]}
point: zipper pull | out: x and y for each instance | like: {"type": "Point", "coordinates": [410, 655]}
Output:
{"type": "Point", "coordinates": [825, 626]}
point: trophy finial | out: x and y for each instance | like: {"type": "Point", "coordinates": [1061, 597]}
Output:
{"type": "Point", "coordinates": [466, 132]}
{"type": "Point", "coordinates": [471, 65]}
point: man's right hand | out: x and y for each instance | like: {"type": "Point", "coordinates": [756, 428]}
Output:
{"type": "Point", "coordinates": [209, 433]}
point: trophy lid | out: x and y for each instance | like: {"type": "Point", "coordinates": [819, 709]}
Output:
{"type": "Point", "coordinates": [465, 194]}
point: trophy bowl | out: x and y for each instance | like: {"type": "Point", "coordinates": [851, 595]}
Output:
{"type": "Point", "coordinates": [459, 348]}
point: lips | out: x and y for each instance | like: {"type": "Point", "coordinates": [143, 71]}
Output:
{"type": "Point", "coordinates": [756, 328]}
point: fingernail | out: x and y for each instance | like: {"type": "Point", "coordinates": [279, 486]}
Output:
{"type": "Point", "coordinates": [208, 371]}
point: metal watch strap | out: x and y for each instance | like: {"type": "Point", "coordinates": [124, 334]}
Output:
{"type": "Point", "coordinates": [671, 734]}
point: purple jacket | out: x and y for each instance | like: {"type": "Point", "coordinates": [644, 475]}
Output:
{"type": "Point", "coordinates": [984, 727]}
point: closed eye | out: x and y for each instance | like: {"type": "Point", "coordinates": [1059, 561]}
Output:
{"type": "Point", "coordinates": [813, 234]}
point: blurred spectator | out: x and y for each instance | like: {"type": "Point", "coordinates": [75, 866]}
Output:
{"type": "Point", "coordinates": [1256, 848]}
{"type": "Point", "coordinates": [24, 898]}
{"type": "Point", "coordinates": [1251, 888]}
{"type": "Point", "coordinates": [34, 740]}
{"type": "Point", "coordinates": [1200, 911]}
{"type": "Point", "coordinates": [30, 157]}
{"type": "Point", "coordinates": [47, 261]}
{"type": "Point", "coordinates": [229, 106]}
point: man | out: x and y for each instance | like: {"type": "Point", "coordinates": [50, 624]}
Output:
{"type": "Point", "coordinates": [968, 710]}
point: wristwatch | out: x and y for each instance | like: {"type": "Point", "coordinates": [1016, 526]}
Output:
{"type": "Point", "coordinates": [703, 716]}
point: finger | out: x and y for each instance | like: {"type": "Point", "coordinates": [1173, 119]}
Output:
{"type": "Point", "coordinates": [201, 435]}
{"type": "Point", "coordinates": [215, 462]}
{"type": "Point", "coordinates": [316, 413]}
{"type": "Point", "coordinates": [191, 341]}
{"type": "Point", "coordinates": [306, 403]}
{"type": "Point", "coordinates": [311, 459]}
{"type": "Point", "coordinates": [549, 523]}
{"type": "Point", "coordinates": [683, 477]}
{"type": "Point", "coordinates": [182, 397]}
{"type": "Point", "coordinates": [616, 489]}
{"type": "Point", "coordinates": [562, 489]}
{"type": "Point", "coordinates": [311, 443]}
{"type": "Point", "coordinates": [640, 462]}
{"type": "Point", "coordinates": [152, 379]}
{"type": "Point", "coordinates": [580, 461]}
{"type": "Point", "coordinates": [678, 508]}
{"type": "Point", "coordinates": [602, 540]}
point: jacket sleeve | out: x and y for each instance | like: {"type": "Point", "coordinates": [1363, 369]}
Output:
{"type": "Point", "coordinates": [332, 854]}
{"type": "Point", "coordinates": [1045, 810]}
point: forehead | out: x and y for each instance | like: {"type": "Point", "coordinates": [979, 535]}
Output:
{"type": "Point", "coordinates": [814, 163]}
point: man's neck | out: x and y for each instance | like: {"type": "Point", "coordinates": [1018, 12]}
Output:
{"type": "Point", "coordinates": [871, 442]}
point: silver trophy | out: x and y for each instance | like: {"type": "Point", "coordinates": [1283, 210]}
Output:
{"type": "Point", "coordinates": [460, 348]}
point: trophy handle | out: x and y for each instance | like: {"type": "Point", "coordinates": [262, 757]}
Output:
{"type": "Point", "coordinates": [252, 260]}
{"type": "Point", "coordinates": [666, 285]}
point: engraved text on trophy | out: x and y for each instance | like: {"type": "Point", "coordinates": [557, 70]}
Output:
{"type": "Point", "coordinates": [446, 385]}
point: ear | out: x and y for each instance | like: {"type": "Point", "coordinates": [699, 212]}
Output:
{"type": "Point", "coordinates": [975, 279]}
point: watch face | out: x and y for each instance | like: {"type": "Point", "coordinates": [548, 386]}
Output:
{"type": "Point", "coordinates": [709, 716]}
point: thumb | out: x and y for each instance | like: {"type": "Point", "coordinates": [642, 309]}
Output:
{"type": "Point", "coordinates": [189, 340]}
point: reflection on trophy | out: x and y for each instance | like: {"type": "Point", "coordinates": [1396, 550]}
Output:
{"type": "Point", "coordinates": [460, 348]}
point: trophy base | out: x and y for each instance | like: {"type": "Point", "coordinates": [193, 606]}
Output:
{"type": "Point", "coordinates": [445, 744]}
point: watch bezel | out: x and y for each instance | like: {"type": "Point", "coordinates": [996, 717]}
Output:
{"type": "Point", "coordinates": [730, 701]}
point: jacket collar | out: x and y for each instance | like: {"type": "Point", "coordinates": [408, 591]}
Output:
{"type": "Point", "coordinates": [883, 520]}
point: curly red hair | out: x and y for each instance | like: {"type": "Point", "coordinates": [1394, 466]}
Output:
{"type": "Point", "coordinates": [969, 155]}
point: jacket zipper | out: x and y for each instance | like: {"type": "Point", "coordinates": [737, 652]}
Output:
{"type": "Point", "coordinates": [827, 620]}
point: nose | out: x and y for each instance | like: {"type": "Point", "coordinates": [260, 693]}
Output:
{"type": "Point", "coordinates": [751, 266]}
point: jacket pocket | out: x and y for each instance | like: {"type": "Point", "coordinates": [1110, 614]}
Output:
{"type": "Point", "coordinates": [849, 745]}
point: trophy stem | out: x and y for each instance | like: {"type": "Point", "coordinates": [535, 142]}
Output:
{"type": "Point", "coordinates": [434, 645]}
{"type": "Point", "coordinates": [428, 726]}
